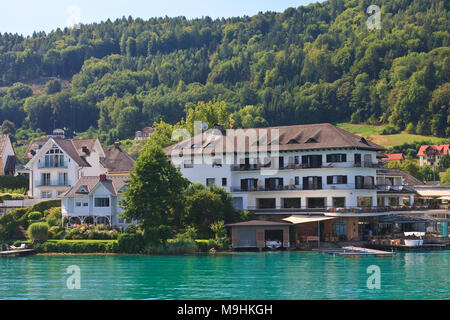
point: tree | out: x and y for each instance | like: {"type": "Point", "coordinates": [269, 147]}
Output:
{"type": "Point", "coordinates": [446, 177]}
{"type": "Point", "coordinates": [8, 127]}
{"type": "Point", "coordinates": [38, 232]}
{"type": "Point", "coordinates": [53, 86]}
{"type": "Point", "coordinates": [445, 161]}
{"type": "Point", "coordinates": [155, 194]}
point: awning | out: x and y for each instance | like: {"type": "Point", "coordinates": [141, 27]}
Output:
{"type": "Point", "coordinates": [302, 219]}
{"type": "Point", "coordinates": [444, 198]}
{"type": "Point", "coordinates": [444, 192]}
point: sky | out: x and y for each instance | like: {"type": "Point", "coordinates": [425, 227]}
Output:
{"type": "Point", "coordinates": [26, 16]}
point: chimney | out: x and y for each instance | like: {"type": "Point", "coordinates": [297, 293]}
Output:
{"type": "Point", "coordinates": [85, 150]}
{"type": "Point", "coordinates": [103, 177]}
{"type": "Point", "coordinates": [117, 145]}
{"type": "Point", "coordinates": [221, 128]}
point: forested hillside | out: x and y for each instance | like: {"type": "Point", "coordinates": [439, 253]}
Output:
{"type": "Point", "coordinates": [318, 63]}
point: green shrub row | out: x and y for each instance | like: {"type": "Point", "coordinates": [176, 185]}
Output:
{"type": "Point", "coordinates": [11, 182]}
{"type": "Point", "coordinates": [78, 246]}
{"type": "Point", "coordinates": [11, 196]}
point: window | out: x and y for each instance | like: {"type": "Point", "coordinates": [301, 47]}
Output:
{"type": "Point", "coordinates": [312, 161]}
{"type": "Point", "coordinates": [210, 181]}
{"type": "Point", "coordinates": [46, 194]}
{"type": "Point", "coordinates": [281, 162]}
{"type": "Point", "coordinates": [296, 160]}
{"type": "Point", "coordinates": [62, 179]}
{"type": "Point", "coordinates": [337, 180]}
{"type": "Point", "coordinates": [54, 158]}
{"type": "Point", "coordinates": [340, 228]}
{"type": "Point", "coordinates": [217, 163]}
{"type": "Point", "coordinates": [311, 140]}
{"type": "Point", "coordinates": [338, 157]}
{"type": "Point", "coordinates": [45, 179]}
{"type": "Point", "coordinates": [188, 164]}
{"type": "Point", "coordinates": [297, 181]}
{"type": "Point", "coordinates": [102, 202]}
{"type": "Point", "coordinates": [85, 204]}
{"type": "Point", "coordinates": [78, 204]}
{"type": "Point", "coordinates": [291, 203]}
{"type": "Point", "coordinates": [266, 203]}
{"type": "Point", "coordinates": [312, 183]}
{"type": "Point", "coordinates": [339, 202]}
{"type": "Point", "coordinates": [224, 182]}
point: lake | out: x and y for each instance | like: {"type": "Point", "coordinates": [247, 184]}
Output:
{"type": "Point", "coordinates": [269, 275]}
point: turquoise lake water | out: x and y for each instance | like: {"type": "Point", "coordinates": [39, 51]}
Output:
{"type": "Point", "coordinates": [270, 275]}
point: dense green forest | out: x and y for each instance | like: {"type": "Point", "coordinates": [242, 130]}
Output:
{"type": "Point", "coordinates": [318, 63]}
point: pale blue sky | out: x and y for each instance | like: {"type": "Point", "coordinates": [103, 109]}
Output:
{"type": "Point", "coordinates": [26, 16]}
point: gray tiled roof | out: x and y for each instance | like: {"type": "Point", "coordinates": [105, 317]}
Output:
{"type": "Point", "coordinates": [113, 183]}
{"type": "Point", "coordinates": [291, 138]}
{"type": "Point", "coordinates": [116, 160]}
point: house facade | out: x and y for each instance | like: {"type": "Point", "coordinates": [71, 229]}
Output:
{"type": "Point", "coordinates": [430, 155]}
{"type": "Point", "coordinates": [315, 167]}
{"type": "Point", "coordinates": [56, 164]}
{"type": "Point", "coordinates": [144, 134]}
{"type": "Point", "coordinates": [95, 200]}
{"type": "Point", "coordinates": [8, 158]}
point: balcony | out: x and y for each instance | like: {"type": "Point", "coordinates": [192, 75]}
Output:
{"type": "Point", "coordinates": [337, 165]}
{"type": "Point", "coordinates": [52, 185]}
{"type": "Point", "coordinates": [52, 166]}
{"type": "Point", "coordinates": [348, 186]}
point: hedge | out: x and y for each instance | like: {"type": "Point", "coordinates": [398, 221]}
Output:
{"type": "Point", "coordinates": [11, 182]}
{"type": "Point", "coordinates": [78, 246]}
{"type": "Point", "coordinates": [11, 196]}
{"type": "Point", "coordinates": [45, 205]}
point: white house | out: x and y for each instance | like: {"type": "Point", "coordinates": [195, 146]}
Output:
{"type": "Point", "coordinates": [8, 158]}
{"type": "Point", "coordinates": [95, 198]}
{"type": "Point", "coordinates": [56, 164]}
{"type": "Point", "coordinates": [282, 168]}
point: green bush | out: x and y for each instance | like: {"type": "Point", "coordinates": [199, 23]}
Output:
{"type": "Point", "coordinates": [206, 245]}
{"type": "Point", "coordinates": [35, 216]}
{"type": "Point", "coordinates": [11, 196]}
{"type": "Point", "coordinates": [11, 182]}
{"type": "Point", "coordinates": [76, 246]}
{"type": "Point", "coordinates": [88, 231]}
{"type": "Point", "coordinates": [174, 246]}
{"type": "Point", "coordinates": [13, 223]}
{"type": "Point", "coordinates": [390, 129]}
{"type": "Point", "coordinates": [131, 242]}
{"type": "Point", "coordinates": [54, 217]}
{"type": "Point", "coordinates": [38, 232]}
{"type": "Point", "coordinates": [46, 205]}
{"type": "Point", "coordinates": [56, 232]}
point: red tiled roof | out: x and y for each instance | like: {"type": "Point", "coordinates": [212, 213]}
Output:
{"type": "Point", "coordinates": [441, 149]}
{"type": "Point", "coordinates": [393, 157]}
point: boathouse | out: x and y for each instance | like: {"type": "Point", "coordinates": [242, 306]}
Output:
{"type": "Point", "coordinates": [259, 234]}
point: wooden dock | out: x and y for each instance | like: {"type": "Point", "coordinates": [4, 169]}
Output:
{"type": "Point", "coordinates": [356, 252]}
{"type": "Point", "coordinates": [19, 252]}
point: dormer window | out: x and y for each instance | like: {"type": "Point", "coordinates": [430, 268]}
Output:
{"type": "Point", "coordinates": [83, 189]}
{"type": "Point", "coordinates": [292, 141]}
{"type": "Point", "coordinates": [123, 189]}
{"type": "Point", "coordinates": [54, 158]}
{"type": "Point", "coordinates": [362, 140]}
{"type": "Point", "coordinates": [195, 146]}
{"type": "Point", "coordinates": [311, 140]}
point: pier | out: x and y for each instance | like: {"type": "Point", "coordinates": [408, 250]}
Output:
{"type": "Point", "coordinates": [15, 253]}
{"type": "Point", "coordinates": [356, 252]}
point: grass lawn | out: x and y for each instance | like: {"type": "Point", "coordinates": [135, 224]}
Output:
{"type": "Point", "coordinates": [398, 139]}
{"type": "Point", "coordinates": [364, 130]}
{"type": "Point", "coordinates": [373, 133]}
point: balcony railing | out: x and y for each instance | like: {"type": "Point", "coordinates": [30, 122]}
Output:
{"type": "Point", "coordinates": [348, 164]}
{"type": "Point", "coordinates": [348, 186]}
{"type": "Point", "coordinates": [57, 184]}
{"type": "Point", "coordinates": [343, 210]}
